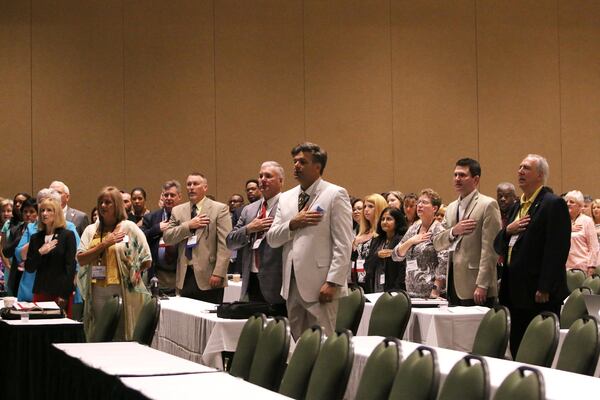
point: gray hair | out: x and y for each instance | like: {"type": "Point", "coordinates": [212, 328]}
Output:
{"type": "Point", "coordinates": [47, 193]}
{"type": "Point", "coordinates": [542, 166]}
{"type": "Point", "coordinates": [276, 166]}
{"type": "Point", "coordinates": [575, 195]}
{"type": "Point", "coordinates": [172, 183]}
{"type": "Point", "coordinates": [506, 185]}
{"type": "Point", "coordinates": [65, 188]}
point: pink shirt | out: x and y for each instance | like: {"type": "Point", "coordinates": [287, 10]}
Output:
{"type": "Point", "coordinates": [584, 243]}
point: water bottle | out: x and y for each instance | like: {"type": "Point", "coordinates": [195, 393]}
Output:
{"type": "Point", "coordinates": [154, 286]}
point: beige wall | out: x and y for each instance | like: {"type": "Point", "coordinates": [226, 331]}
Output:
{"type": "Point", "coordinates": [136, 92]}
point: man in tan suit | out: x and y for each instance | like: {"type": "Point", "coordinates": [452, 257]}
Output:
{"type": "Point", "coordinates": [472, 223]}
{"type": "Point", "coordinates": [199, 229]}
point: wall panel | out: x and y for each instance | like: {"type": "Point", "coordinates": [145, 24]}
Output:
{"type": "Point", "coordinates": [435, 89]}
{"type": "Point", "coordinates": [15, 97]}
{"type": "Point", "coordinates": [131, 92]}
{"type": "Point", "coordinates": [519, 104]}
{"type": "Point", "coordinates": [77, 96]}
{"type": "Point", "coordinates": [580, 94]}
{"type": "Point", "coordinates": [348, 95]}
{"type": "Point", "coordinates": [259, 88]}
{"type": "Point", "coordinates": [169, 128]}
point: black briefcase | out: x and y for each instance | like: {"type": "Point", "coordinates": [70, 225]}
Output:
{"type": "Point", "coordinates": [243, 309]}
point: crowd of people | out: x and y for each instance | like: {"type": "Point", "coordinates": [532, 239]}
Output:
{"type": "Point", "coordinates": [299, 250]}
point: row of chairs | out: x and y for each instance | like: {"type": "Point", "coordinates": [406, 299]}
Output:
{"type": "Point", "coordinates": [386, 376]}
{"type": "Point", "coordinates": [317, 370]}
{"type": "Point", "coordinates": [389, 317]}
{"type": "Point", "coordinates": [391, 314]}
{"type": "Point", "coordinates": [320, 369]}
{"type": "Point", "coordinates": [577, 278]}
{"type": "Point", "coordinates": [106, 323]}
{"type": "Point", "coordinates": [579, 352]}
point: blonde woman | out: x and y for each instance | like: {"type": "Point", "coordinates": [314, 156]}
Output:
{"type": "Point", "coordinates": [51, 253]}
{"type": "Point", "coordinates": [373, 205]}
{"type": "Point", "coordinates": [112, 255]}
{"type": "Point", "coordinates": [584, 241]}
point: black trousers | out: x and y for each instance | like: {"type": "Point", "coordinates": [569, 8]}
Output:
{"type": "Point", "coordinates": [453, 298]}
{"type": "Point", "coordinates": [255, 294]}
{"type": "Point", "coordinates": [190, 289]}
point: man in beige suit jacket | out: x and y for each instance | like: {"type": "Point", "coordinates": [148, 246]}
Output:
{"type": "Point", "coordinates": [313, 224]}
{"type": "Point", "coordinates": [472, 223]}
{"type": "Point", "coordinates": [199, 228]}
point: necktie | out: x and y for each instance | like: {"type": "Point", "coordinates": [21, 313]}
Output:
{"type": "Point", "coordinates": [302, 200]}
{"type": "Point", "coordinates": [188, 249]}
{"type": "Point", "coordinates": [261, 214]}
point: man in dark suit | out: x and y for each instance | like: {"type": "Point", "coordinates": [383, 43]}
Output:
{"type": "Point", "coordinates": [252, 190]}
{"type": "Point", "coordinates": [164, 258]}
{"type": "Point", "coordinates": [78, 218]}
{"type": "Point", "coordinates": [535, 245]}
{"type": "Point", "coordinates": [261, 264]}
{"type": "Point", "coordinates": [236, 205]}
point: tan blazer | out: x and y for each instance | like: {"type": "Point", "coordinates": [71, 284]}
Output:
{"type": "Point", "coordinates": [210, 256]}
{"type": "Point", "coordinates": [474, 260]}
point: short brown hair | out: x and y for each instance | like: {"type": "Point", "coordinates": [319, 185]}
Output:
{"type": "Point", "coordinates": [435, 198]}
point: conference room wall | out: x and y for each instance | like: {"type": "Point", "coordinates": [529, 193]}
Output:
{"type": "Point", "coordinates": [134, 93]}
{"type": "Point", "coordinates": [15, 97]}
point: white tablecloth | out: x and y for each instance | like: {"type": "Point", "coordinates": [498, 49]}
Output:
{"type": "Point", "coordinates": [50, 321]}
{"type": "Point", "coordinates": [559, 384]}
{"type": "Point", "coordinates": [232, 291]}
{"type": "Point", "coordinates": [192, 387]}
{"type": "Point", "coordinates": [186, 329]}
{"type": "Point", "coordinates": [130, 359]}
{"type": "Point", "coordinates": [448, 327]}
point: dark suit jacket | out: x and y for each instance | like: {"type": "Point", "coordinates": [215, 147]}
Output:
{"type": "Point", "coordinates": [151, 228]}
{"type": "Point", "coordinates": [78, 218]}
{"type": "Point", "coordinates": [235, 266]}
{"type": "Point", "coordinates": [539, 255]}
{"type": "Point", "coordinates": [395, 271]}
{"type": "Point", "coordinates": [55, 270]}
{"type": "Point", "coordinates": [269, 274]}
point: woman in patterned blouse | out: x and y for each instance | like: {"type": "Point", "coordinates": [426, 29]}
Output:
{"type": "Point", "coordinates": [425, 268]}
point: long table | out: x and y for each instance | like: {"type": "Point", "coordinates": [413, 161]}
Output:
{"type": "Point", "coordinates": [558, 384]}
{"type": "Point", "coordinates": [128, 370]}
{"type": "Point", "coordinates": [25, 346]}
{"type": "Point", "coordinates": [219, 385]}
{"type": "Point", "coordinates": [188, 329]}
{"type": "Point", "coordinates": [448, 327]}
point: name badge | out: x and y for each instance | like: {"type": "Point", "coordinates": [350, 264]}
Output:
{"type": "Point", "coordinates": [192, 241]}
{"type": "Point", "coordinates": [99, 272]}
{"type": "Point", "coordinates": [360, 265]}
{"type": "Point", "coordinates": [382, 279]}
{"type": "Point", "coordinates": [513, 240]}
{"type": "Point", "coordinates": [257, 243]}
{"type": "Point", "coordinates": [411, 265]}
